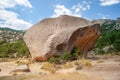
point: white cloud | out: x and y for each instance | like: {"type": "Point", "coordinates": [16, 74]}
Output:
{"type": "Point", "coordinates": [108, 2]}
{"type": "Point", "coordinates": [24, 3]}
{"type": "Point", "coordinates": [6, 4]}
{"type": "Point", "coordinates": [75, 10]}
{"type": "Point", "coordinates": [10, 18]}
{"type": "Point", "coordinates": [104, 18]}
{"type": "Point", "coordinates": [61, 10]}
{"type": "Point", "coordinates": [12, 3]}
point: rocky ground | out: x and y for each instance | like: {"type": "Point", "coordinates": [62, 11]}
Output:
{"type": "Point", "coordinates": [99, 68]}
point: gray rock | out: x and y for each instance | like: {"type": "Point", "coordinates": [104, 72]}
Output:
{"type": "Point", "coordinates": [22, 68]}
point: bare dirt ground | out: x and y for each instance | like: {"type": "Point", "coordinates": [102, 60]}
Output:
{"type": "Point", "coordinates": [106, 68]}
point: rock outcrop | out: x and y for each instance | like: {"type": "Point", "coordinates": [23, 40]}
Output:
{"type": "Point", "coordinates": [54, 36]}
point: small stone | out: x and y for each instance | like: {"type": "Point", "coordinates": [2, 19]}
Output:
{"type": "Point", "coordinates": [22, 68]}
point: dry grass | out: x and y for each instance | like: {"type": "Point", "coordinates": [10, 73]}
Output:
{"type": "Point", "coordinates": [49, 67]}
{"type": "Point", "coordinates": [6, 59]}
{"type": "Point", "coordinates": [69, 76]}
{"type": "Point", "coordinates": [67, 65]}
{"type": "Point", "coordinates": [84, 62]}
{"type": "Point", "coordinates": [100, 61]}
{"type": "Point", "coordinates": [22, 61]}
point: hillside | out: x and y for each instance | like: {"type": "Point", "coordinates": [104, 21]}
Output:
{"type": "Point", "coordinates": [110, 37]}
{"type": "Point", "coordinates": [10, 35]}
{"type": "Point", "coordinates": [12, 44]}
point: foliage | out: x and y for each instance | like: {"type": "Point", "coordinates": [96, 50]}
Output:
{"type": "Point", "coordinates": [100, 51]}
{"type": "Point", "coordinates": [116, 45]}
{"type": "Point", "coordinates": [65, 57]}
{"type": "Point", "coordinates": [110, 37]}
{"type": "Point", "coordinates": [19, 48]}
{"type": "Point", "coordinates": [76, 53]}
{"type": "Point", "coordinates": [62, 58]}
{"type": "Point", "coordinates": [54, 60]}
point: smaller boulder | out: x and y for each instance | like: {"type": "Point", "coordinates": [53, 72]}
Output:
{"type": "Point", "coordinates": [22, 68]}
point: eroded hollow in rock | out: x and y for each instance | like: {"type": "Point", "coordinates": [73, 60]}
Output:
{"type": "Point", "coordinates": [61, 48]}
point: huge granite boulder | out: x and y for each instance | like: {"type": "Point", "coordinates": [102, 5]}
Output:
{"type": "Point", "coordinates": [54, 36]}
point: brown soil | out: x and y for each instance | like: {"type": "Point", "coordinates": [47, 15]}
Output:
{"type": "Point", "coordinates": [107, 68]}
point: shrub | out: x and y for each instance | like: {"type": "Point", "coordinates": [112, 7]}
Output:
{"type": "Point", "coordinates": [67, 65]}
{"type": "Point", "coordinates": [49, 67]}
{"type": "Point", "coordinates": [54, 60]}
{"type": "Point", "coordinates": [66, 56]}
{"type": "Point", "coordinates": [116, 44]}
{"type": "Point", "coordinates": [3, 55]}
{"type": "Point", "coordinates": [100, 51]}
{"type": "Point", "coordinates": [108, 38]}
{"type": "Point", "coordinates": [84, 62]}
{"type": "Point", "coordinates": [76, 53]}
{"type": "Point", "coordinates": [9, 49]}
{"type": "Point", "coordinates": [62, 58]}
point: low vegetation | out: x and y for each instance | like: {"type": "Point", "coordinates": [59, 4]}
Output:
{"type": "Point", "coordinates": [63, 58]}
{"type": "Point", "coordinates": [49, 67]}
{"type": "Point", "coordinates": [67, 65]}
{"type": "Point", "coordinates": [16, 49]}
{"type": "Point", "coordinates": [84, 62]}
{"type": "Point", "coordinates": [110, 38]}
{"type": "Point", "coordinates": [21, 61]}
{"type": "Point", "coordinates": [100, 61]}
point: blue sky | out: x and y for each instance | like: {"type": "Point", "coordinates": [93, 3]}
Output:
{"type": "Point", "coordinates": [22, 14]}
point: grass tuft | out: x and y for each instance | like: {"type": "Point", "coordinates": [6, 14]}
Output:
{"type": "Point", "coordinates": [84, 62]}
{"type": "Point", "coordinates": [67, 65]}
{"type": "Point", "coordinates": [100, 61]}
{"type": "Point", "coordinates": [49, 67]}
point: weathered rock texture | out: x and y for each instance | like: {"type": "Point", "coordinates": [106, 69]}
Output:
{"type": "Point", "coordinates": [54, 36]}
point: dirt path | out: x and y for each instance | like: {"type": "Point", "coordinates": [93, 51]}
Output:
{"type": "Point", "coordinates": [56, 76]}
{"type": "Point", "coordinates": [6, 68]}
{"type": "Point", "coordinates": [105, 71]}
